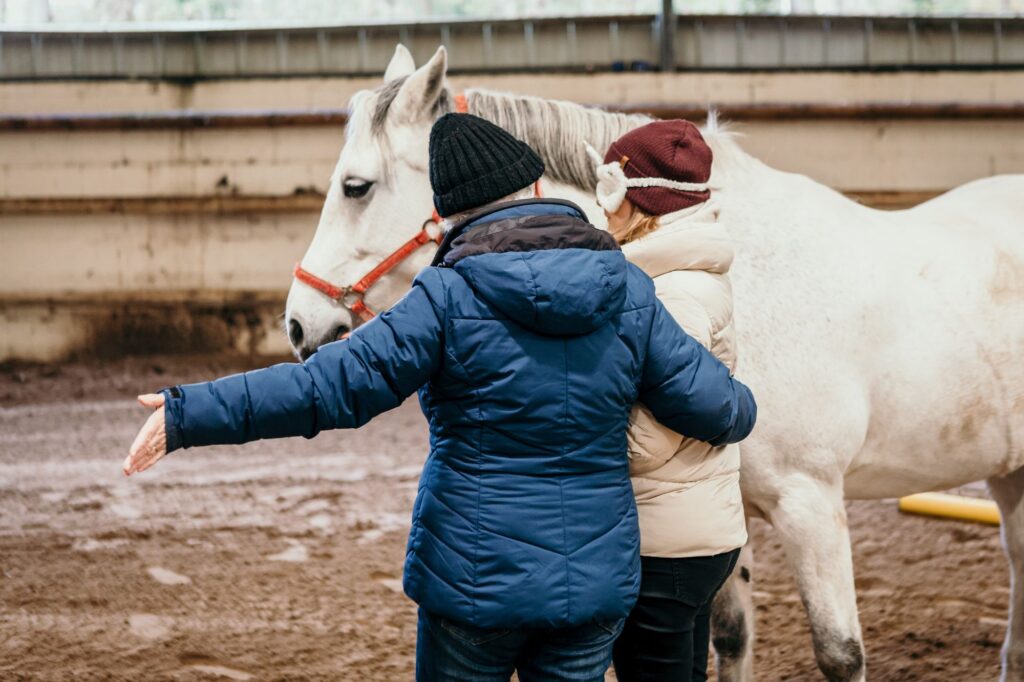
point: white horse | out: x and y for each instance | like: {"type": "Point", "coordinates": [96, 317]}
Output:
{"type": "Point", "coordinates": [884, 348]}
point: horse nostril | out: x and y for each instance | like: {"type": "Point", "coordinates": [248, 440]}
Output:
{"type": "Point", "coordinates": [295, 334]}
{"type": "Point", "coordinates": [341, 331]}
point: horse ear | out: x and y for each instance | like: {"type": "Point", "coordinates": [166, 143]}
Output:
{"type": "Point", "coordinates": [423, 88]}
{"type": "Point", "coordinates": [401, 64]}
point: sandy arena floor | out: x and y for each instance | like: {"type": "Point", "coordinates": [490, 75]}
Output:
{"type": "Point", "coordinates": [282, 560]}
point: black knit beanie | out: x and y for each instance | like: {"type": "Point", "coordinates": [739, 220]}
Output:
{"type": "Point", "coordinates": [474, 162]}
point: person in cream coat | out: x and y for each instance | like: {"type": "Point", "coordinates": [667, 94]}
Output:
{"type": "Point", "coordinates": [652, 183]}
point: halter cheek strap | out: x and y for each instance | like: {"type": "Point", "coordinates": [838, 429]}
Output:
{"type": "Point", "coordinates": [352, 297]}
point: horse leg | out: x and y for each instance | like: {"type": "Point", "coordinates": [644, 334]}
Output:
{"type": "Point", "coordinates": [1008, 492]}
{"type": "Point", "coordinates": [810, 518]}
{"type": "Point", "coordinates": [732, 622]}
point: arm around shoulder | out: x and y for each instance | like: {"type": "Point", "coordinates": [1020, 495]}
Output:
{"type": "Point", "coordinates": [691, 391]}
{"type": "Point", "coordinates": [650, 443]}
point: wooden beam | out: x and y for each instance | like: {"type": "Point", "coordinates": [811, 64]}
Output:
{"type": "Point", "coordinates": [186, 119]}
{"type": "Point", "coordinates": [181, 205]}
{"type": "Point", "coordinates": [311, 202]}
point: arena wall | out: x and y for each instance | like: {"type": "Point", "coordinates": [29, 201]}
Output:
{"type": "Point", "coordinates": [181, 237]}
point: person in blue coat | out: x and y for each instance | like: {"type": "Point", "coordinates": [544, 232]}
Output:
{"type": "Point", "coordinates": [529, 339]}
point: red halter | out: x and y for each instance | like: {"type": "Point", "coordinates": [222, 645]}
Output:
{"type": "Point", "coordinates": [352, 296]}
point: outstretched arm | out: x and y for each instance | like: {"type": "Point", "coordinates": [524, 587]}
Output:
{"type": "Point", "coordinates": [691, 391]}
{"type": "Point", "coordinates": [343, 385]}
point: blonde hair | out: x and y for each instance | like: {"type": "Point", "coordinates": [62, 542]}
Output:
{"type": "Point", "coordinates": [639, 224]}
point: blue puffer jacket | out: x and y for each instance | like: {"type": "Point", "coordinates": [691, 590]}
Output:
{"type": "Point", "coordinates": [529, 341]}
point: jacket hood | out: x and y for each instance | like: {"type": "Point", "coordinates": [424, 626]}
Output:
{"type": "Point", "coordinates": [690, 239]}
{"type": "Point", "coordinates": [540, 263]}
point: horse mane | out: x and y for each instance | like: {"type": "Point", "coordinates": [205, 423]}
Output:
{"type": "Point", "coordinates": [557, 129]}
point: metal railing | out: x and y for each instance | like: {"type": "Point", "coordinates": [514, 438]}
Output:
{"type": "Point", "coordinates": [608, 43]}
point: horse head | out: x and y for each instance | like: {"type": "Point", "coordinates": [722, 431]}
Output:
{"type": "Point", "coordinates": [378, 199]}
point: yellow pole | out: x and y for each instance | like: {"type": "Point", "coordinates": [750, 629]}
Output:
{"type": "Point", "coordinates": [951, 507]}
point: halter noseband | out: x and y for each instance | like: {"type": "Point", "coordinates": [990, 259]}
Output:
{"type": "Point", "coordinates": [352, 297]}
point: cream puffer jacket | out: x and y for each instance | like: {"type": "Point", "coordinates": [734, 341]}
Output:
{"type": "Point", "coordinates": [687, 491]}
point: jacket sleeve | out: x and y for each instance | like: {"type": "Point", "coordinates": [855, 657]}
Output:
{"type": "Point", "coordinates": [342, 385]}
{"type": "Point", "coordinates": [689, 390]}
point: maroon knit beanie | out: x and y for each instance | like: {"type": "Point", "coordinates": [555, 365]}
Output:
{"type": "Point", "coordinates": [673, 150]}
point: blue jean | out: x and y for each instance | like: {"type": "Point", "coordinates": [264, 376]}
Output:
{"type": "Point", "coordinates": [447, 651]}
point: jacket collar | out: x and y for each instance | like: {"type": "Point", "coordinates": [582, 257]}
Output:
{"type": "Point", "coordinates": [503, 211]}
{"type": "Point", "coordinates": [690, 239]}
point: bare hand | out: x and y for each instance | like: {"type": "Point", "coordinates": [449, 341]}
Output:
{"type": "Point", "coordinates": [151, 443]}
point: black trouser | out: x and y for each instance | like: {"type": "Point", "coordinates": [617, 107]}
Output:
{"type": "Point", "coordinates": [666, 637]}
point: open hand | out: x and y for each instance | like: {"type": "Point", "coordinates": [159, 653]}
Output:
{"type": "Point", "coordinates": [151, 443]}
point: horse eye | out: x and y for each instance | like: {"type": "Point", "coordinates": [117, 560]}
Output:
{"type": "Point", "coordinates": [355, 189]}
